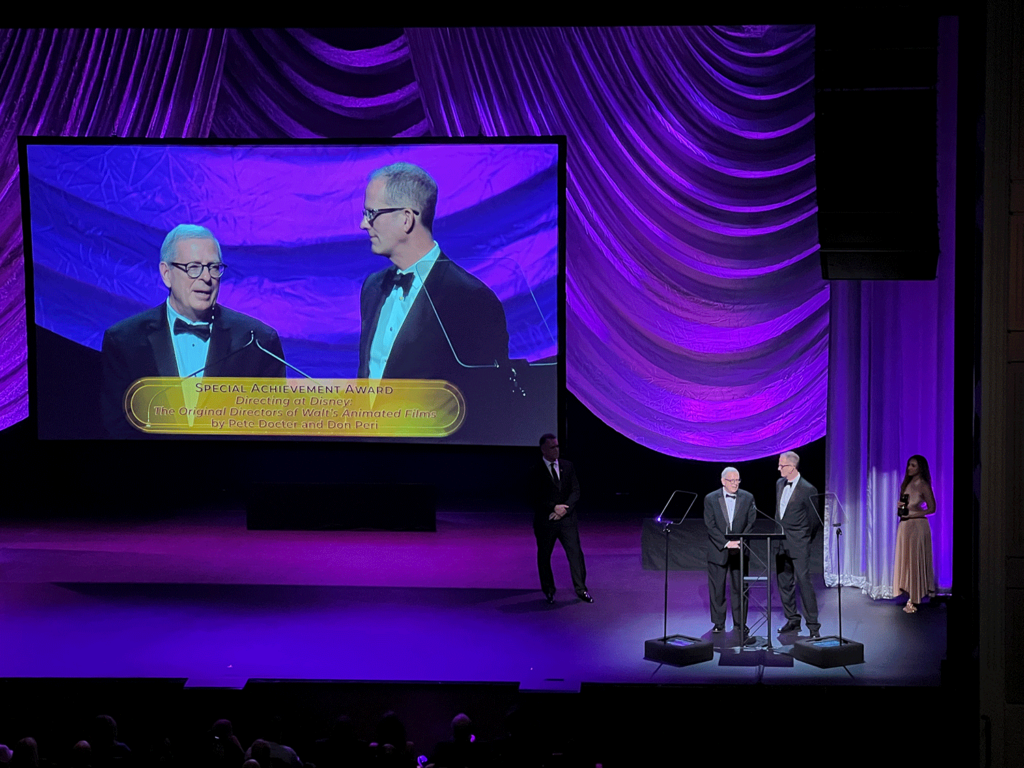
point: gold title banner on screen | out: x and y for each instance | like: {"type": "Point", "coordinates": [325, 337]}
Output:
{"type": "Point", "coordinates": [295, 407]}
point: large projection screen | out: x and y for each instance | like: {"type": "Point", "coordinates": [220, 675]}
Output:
{"type": "Point", "coordinates": [302, 281]}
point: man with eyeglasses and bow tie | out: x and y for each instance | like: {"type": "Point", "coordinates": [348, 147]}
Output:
{"type": "Point", "coordinates": [424, 317]}
{"type": "Point", "coordinates": [796, 513]}
{"type": "Point", "coordinates": [190, 334]}
{"type": "Point", "coordinates": [727, 511]}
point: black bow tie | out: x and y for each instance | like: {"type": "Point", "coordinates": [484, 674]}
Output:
{"type": "Point", "coordinates": [729, 496]}
{"type": "Point", "coordinates": [394, 279]}
{"type": "Point", "coordinates": [201, 331]}
{"type": "Point", "coordinates": [789, 483]}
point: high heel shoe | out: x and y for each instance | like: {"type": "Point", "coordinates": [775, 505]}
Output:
{"type": "Point", "coordinates": [909, 608]}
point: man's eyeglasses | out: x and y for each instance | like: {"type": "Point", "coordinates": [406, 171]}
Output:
{"type": "Point", "coordinates": [732, 481]}
{"type": "Point", "coordinates": [371, 214]}
{"type": "Point", "coordinates": [195, 269]}
{"type": "Point", "coordinates": [783, 466]}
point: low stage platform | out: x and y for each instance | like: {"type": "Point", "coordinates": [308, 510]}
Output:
{"type": "Point", "coordinates": [199, 597]}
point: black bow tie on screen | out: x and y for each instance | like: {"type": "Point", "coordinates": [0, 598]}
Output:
{"type": "Point", "coordinates": [729, 496]}
{"type": "Point", "coordinates": [394, 279]}
{"type": "Point", "coordinates": [789, 483]}
{"type": "Point", "coordinates": [201, 331]}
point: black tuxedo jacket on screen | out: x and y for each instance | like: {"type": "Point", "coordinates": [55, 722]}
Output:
{"type": "Point", "coordinates": [452, 311]}
{"type": "Point", "coordinates": [140, 346]}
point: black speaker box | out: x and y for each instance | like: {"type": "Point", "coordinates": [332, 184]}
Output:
{"type": "Point", "coordinates": [828, 652]}
{"type": "Point", "coordinates": [678, 650]}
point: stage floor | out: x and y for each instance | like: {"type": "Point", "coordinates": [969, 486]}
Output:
{"type": "Point", "coordinates": [200, 597]}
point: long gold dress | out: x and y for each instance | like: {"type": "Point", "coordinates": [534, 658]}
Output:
{"type": "Point", "coordinates": [913, 572]}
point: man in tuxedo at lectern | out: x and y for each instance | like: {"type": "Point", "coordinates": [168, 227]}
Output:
{"type": "Point", "coordinates": [799, 519]}
{"type": "Point", "coordinates": [555, 490]}
{"type": "Point", "coordinates": [424, 317]}
{"type": "Point", "coordinates": [187, 335]}
{"type": "Point", "coordinates": [727, 510]}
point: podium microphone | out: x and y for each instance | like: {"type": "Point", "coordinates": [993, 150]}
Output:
{"type": "Point", "coordinates": [253, 341]}
{"type": "Point", "coordinates": [232, 353]}
{"type": "Point", "coordinates": [260, 347]}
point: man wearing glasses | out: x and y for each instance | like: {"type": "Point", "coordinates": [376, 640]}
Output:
{"type": "Point", "coordinates": [189, 334]}
{"type": "Point", "coordinates": [727, 511]}
{"type": "Point", "coordinates": [799, 519]}
{"type": "Point", "coordinates": [424, 317]}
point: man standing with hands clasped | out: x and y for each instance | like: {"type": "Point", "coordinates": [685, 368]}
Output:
{"type": "Point", "coordinates": [555, 492]}
{"type": "Point", "coordinates": [726, 511]}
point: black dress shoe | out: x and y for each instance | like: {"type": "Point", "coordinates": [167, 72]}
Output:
{"type": "Point", "coordinates": [585, 596]}
{"type": "Point", "coordinates": [718, 629]}
{"type": "Point", "coordinates": [550, 597]}
{"type": "Point", "coordinates": [815, 634]}
{"type": "Point", "coordinates": [790, 626]}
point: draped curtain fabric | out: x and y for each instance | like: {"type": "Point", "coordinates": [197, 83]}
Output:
{"type": "Point", "coordinates": [698, 323]}
{"type": "Point", "coordinates": [178, 84]}
{"type": "Point", "coordinates": [891, 386]}
{"type": "Point", "coordinates": [160, 83]}
{"type": "Point", "coordinates": [697, 318]}
{"type": "Point", "coordinates": [292, 84]}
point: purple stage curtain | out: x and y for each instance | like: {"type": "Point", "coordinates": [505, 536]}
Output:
{"type": "Point", "coordinates": [175, 84]}
{"type": "Point", "coordinates": [891, 389]}
{"type": "Point", "coordinates": [697, 319]}
{"type": "Point", "coordinates": [160, 83]}
{"type": "Point", "coordinates": [292, 84]}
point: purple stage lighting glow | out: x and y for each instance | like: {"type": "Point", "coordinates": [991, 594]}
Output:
{"type": "Point", "coordinates": [697, 319]}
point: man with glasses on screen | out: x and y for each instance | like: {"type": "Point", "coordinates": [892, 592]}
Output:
{"type": "Point", "coordinates": [187, 335]}
{"type": "Point", "coordinates": [424, 317]}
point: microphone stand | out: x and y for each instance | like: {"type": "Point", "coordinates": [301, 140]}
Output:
{"type": "Point", "coordinates": [667, 528]}
{"type": "Point", "coordinates": [838, 525]}
{"type": "Point", "coordinates": [279, 359]}
{"type": "Point", "coordinates": [831, 651]}
{"type": "Point", "coordinates": [839, 576]}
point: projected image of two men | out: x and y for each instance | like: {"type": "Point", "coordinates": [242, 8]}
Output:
{"type": "Point", "coordinates": [347, 292]}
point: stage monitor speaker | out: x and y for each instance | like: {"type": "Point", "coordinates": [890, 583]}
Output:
{"type": "Point", "coordinates": [828, 652]}
{"type": "Point", "coordinates": [678, 650]}
{"type": "Point", "coordinates": [875, 149]}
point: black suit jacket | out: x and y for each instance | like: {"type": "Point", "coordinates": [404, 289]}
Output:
{"type": "Point", "coordinates": [801, 521]}
{"type": "Point", "coordinates": [716, 518]}
{"type": "Point", "coordinates": [453, 311]}
{"type": "Point", "coordinates": [140, 346]}
{"type": "Point", "coordinates": [545, 495]}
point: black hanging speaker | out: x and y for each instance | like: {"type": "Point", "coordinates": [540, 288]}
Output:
{"type": "Point", "coordinates": [876, 148]}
